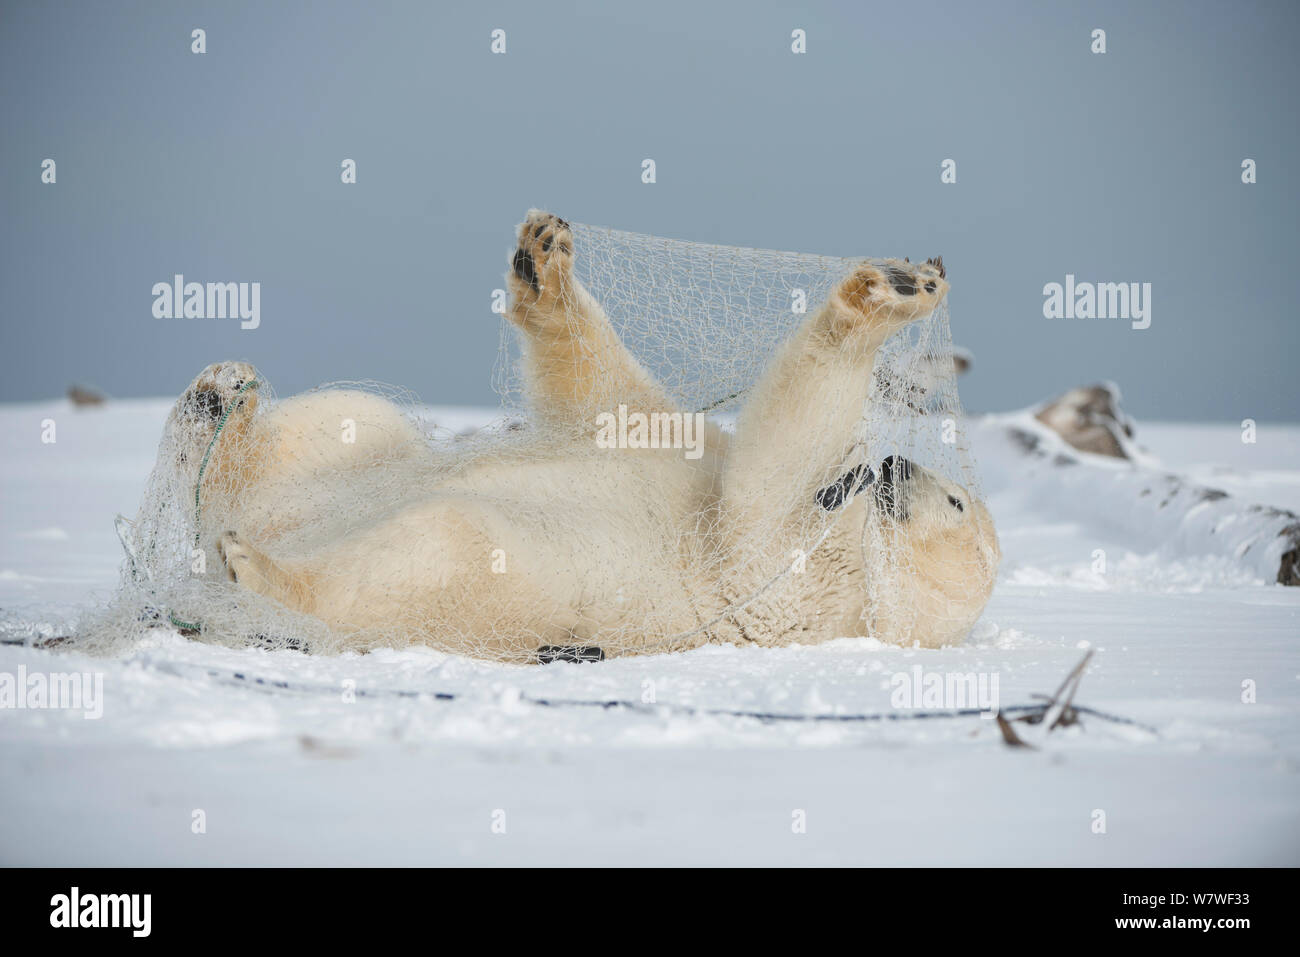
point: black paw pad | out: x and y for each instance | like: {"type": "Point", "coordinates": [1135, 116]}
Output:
{"type": "Point", "coordinates": [850, 483]}
{"type": "Point", "coordinates": [904, 282]}
{"type": "Point", "coordinates": [524, 267]}
{"type": "Point", "coordinates": [260, 640]}
{"type": "Point", "coordinates": [549, 653]}
{"type": "Point", "coordinates": [204, 404]}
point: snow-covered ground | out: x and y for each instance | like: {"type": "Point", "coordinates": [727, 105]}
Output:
{"type": "Point", "coordinates": [338, 767]}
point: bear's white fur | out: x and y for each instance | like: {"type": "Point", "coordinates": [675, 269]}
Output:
{"type": "Point", "coordinates": [583, 561]}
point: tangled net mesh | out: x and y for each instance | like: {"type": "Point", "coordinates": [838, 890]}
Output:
{"type": "Point", "coordinates": [770, 518]}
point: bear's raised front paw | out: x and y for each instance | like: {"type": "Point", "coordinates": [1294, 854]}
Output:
{"type": "Point", "coordinates": [893, 292]}
{"type": "Point", "coordinates": [542, 263]}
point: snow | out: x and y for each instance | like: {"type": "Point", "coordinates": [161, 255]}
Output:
{"type": "Point", "coordinates": [338, 766]}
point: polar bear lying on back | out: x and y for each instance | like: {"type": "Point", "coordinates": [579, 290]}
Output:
{"type": "Point", "coordinates": [628, 549]}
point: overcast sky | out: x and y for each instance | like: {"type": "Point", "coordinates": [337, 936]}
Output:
{"type": "Point", "coordinates": [1115, 167]}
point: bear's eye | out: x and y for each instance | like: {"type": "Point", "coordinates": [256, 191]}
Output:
{"type": "Point", "coordinates": [956, 503]}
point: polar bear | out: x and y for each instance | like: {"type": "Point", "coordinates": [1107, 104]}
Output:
{"type": "Point", "coordinates": [613, 550]}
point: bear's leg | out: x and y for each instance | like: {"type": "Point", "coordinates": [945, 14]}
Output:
{"type": "Point", "coordinates": [256, 572]}
{"type": "Point", "coordinates": [799, 424]}
{"type": "Point", "coordinates": [576, 366]}
{"type": "Point", "coordinates": [211, 432]}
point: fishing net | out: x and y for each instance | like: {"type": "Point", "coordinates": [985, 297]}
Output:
{"type": "Point", "coordinates": [697, 443]}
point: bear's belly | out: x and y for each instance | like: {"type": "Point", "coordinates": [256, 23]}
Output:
{"type": "Point", "coordinates": [614, 538]}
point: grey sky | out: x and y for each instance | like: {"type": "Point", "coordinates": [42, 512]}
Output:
{"type": "Point", "coordinates": [1122, 167]}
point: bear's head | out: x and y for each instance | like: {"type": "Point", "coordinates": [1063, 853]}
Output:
{"type": "Point", "coordinates": [936, 559]}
